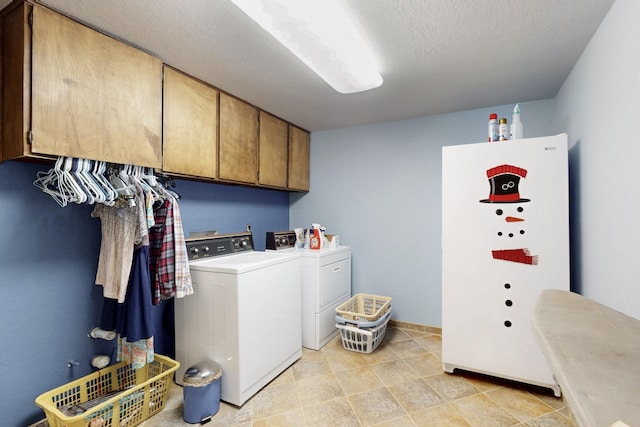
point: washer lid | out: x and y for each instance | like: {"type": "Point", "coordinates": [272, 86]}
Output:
{"type": "Point", "coordinates": [242, 262]}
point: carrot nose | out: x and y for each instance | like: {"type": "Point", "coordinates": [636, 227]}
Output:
{"type": "Point", "coordinates": [513, 219]}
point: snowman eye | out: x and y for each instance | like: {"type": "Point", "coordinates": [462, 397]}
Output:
{"type": "Point", "coordinates": [498, 212]}
{"type": "Point", "coordinates": [520, 209]}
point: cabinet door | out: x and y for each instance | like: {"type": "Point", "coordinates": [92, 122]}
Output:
{"type": "Point", "coordinates": [16, 82]}
{"type": "Point", "coordinates": [299, 142]}
{"type": "Point", "coordinates": [238, 156]}
{"type": "Point", "coordinates": [273, 151]}
{"type": "Point", "coordinates": [93, 96]}
{"type": "Point", "coordinates": [190, 126]}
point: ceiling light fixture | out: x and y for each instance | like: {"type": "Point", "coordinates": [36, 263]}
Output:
{"type": "Point", "coordinates": [321, 35]}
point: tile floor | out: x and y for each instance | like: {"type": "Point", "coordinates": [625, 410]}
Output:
{"type": "Point", "coordinates": [400, 384]}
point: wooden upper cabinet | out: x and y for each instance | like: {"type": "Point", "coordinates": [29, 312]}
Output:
{"type": "Point", "coordinates": [273, 152]}
{"type": "Point", "coordinates": [299, 145]}
{"type": "Point", "coordinates": [190, 126]}
{"type": "Point", "coordinates": [16, 82]}
{"type": "Point", "coordinates": [89, 95]}
{"type": "Point", "coordinates": [238, 154]}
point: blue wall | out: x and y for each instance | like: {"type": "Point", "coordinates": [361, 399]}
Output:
{"type": "Point", "coordinates": [48, 259]}
{"type": "Point", "coordinates": [379, 187]}
{"type": "Point", "coordinates": [598, 106]}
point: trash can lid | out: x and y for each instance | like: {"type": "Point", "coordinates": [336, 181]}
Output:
{"type": "Point", "coordinates": [202, 373]}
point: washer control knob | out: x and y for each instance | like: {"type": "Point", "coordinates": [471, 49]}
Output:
{"type": "Point", "coordinates": [205, 249]}
{"type": "Point", "coordinates": [193, 250]}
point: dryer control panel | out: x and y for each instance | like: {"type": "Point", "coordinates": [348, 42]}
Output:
{"type": "Point", "coordinates": [281, 240]}
{"type": "Point", "coordinates": [218, 245]}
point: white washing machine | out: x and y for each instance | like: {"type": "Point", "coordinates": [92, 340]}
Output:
{"type": "Point", "coordinates": [326, 284]}
{"type": "Point", "coordinates": [245, 313]}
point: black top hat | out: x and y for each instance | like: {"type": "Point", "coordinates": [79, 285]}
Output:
{"type": "Point", "coordinates": [504, 180]}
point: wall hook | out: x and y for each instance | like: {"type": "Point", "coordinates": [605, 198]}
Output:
{"type": "Point", "coordinates": [71, 363]}
{"type": "Point", "coordinates": [101, 333]}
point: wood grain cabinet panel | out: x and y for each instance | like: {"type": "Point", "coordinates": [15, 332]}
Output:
{"type": "Point", "coordinates": [190, 126]}
{"type": "Point", "coordinates": [90, 96]}
{"type": "Point", "coordinates": [238, 155]}
{"type": "Point", "coordinates": [16, 82]}
{"type": "Point", "coordinates": [273, 152]}
{"type": "Point", "coordinates": [299, 151]}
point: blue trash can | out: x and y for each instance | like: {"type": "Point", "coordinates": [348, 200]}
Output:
{"type": "Point", "coordinates": [201, 392]}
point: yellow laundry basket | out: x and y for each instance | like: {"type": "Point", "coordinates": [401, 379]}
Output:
{"type": "Point", "coordinates": [116, 396]}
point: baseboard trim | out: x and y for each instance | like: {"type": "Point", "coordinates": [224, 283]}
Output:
{"type": "Point", "coordinates": [415, 327]}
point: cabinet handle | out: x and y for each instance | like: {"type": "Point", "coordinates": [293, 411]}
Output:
{"type": "Point", "coordinates": [336, 269]}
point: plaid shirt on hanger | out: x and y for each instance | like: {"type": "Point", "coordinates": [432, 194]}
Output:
{"type": "Point", "coordinates": [162, 253]}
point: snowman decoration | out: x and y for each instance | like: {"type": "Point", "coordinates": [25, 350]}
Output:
{"type": "Point", "coordinates": [504, 181]}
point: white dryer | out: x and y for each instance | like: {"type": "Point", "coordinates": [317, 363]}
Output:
{"type": "Point", "coordinates": [326, 284]}
{"type": "Point", "coordinates": [245, 313]}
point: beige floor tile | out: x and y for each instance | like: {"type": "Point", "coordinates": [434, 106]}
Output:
{"type": "Point", "coordinates": [480, 411]}
{"type": "Point", "coordinates": [447, 415]}
{"type": "Point", "coordinates": [547, 397]}
{"type": "Point", "coordinates": [404, 421]}
{"type": "Point", "coordinates": [554, 419]}
{"type": "Point", "coordinates": [394, 372]}
{"type": "Point", "coordinates": [395, 334]}
{"type": "Point", "coordinates": [425, 364]}
{"type": "Point", "coordinates": [431, 343]}
{"type": "Point", "coordinates": [407, 348]}
{"type": "Point", "coordinates": [168, 417]}
{"type": "Point", "coordinates": [375, 406]}
{"type": "Point", "coordinates": [415, 395]}
{"type": "Point", "coordinates": [383, 353]}
{"type": "Point", "coordinates": [275, 400]}
{"type": "Point", "coordinates": [310, 367]}
{"type": "Point", "coordinates": [284, 378]}
{"type": "Point", "coordinates": [400, 384]}
{"type": "Point", "coordinates": [566, 412]}
{"type": "Point", "coordinates": [333, 346]}
{"type": "Point", "coordinates": [414, 333]}
{"type": "Point", "coordinates": [346, 360]}
{"type": "Point", "coordinates": [307, 353]}
{"type": "Point", "coordinates": [293, 418]}
{"type": "Point", "coordinates": [519, 403]}
{"type": "Point", "coordinates": [451, 387]}
{"type": "Point", "coordinates": [337, 412]}
{"type": "Point", "coordinates": [318, 389]}
{"type": "Point", "coordinates": [358, 380]}
{"type": "Point", "coordinates": [232, 415]}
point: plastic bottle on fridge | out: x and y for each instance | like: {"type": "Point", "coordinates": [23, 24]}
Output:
{"type": "Point", "coordinates": [493, 127]}
{"type": "Point", "coordinates": [517, 129]}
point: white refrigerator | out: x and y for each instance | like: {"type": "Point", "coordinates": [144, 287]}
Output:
{"type": "Point", "coordinates": [505, 238]}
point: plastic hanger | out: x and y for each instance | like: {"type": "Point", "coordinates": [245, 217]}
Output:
{"type": "Point", "coordinates": [77, 194]}
{"type": "Point", "coordinates": [97, 190]}
{"type": "Point", "coordinates": [99, 170]}
{"type": "Point", "coordinates": [83, 185]}
{"type": "Point", "coordinates": [48, 182]}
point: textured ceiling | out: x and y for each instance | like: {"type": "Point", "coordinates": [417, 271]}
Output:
{"type": "Point", "coordinates": [436, 56]}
